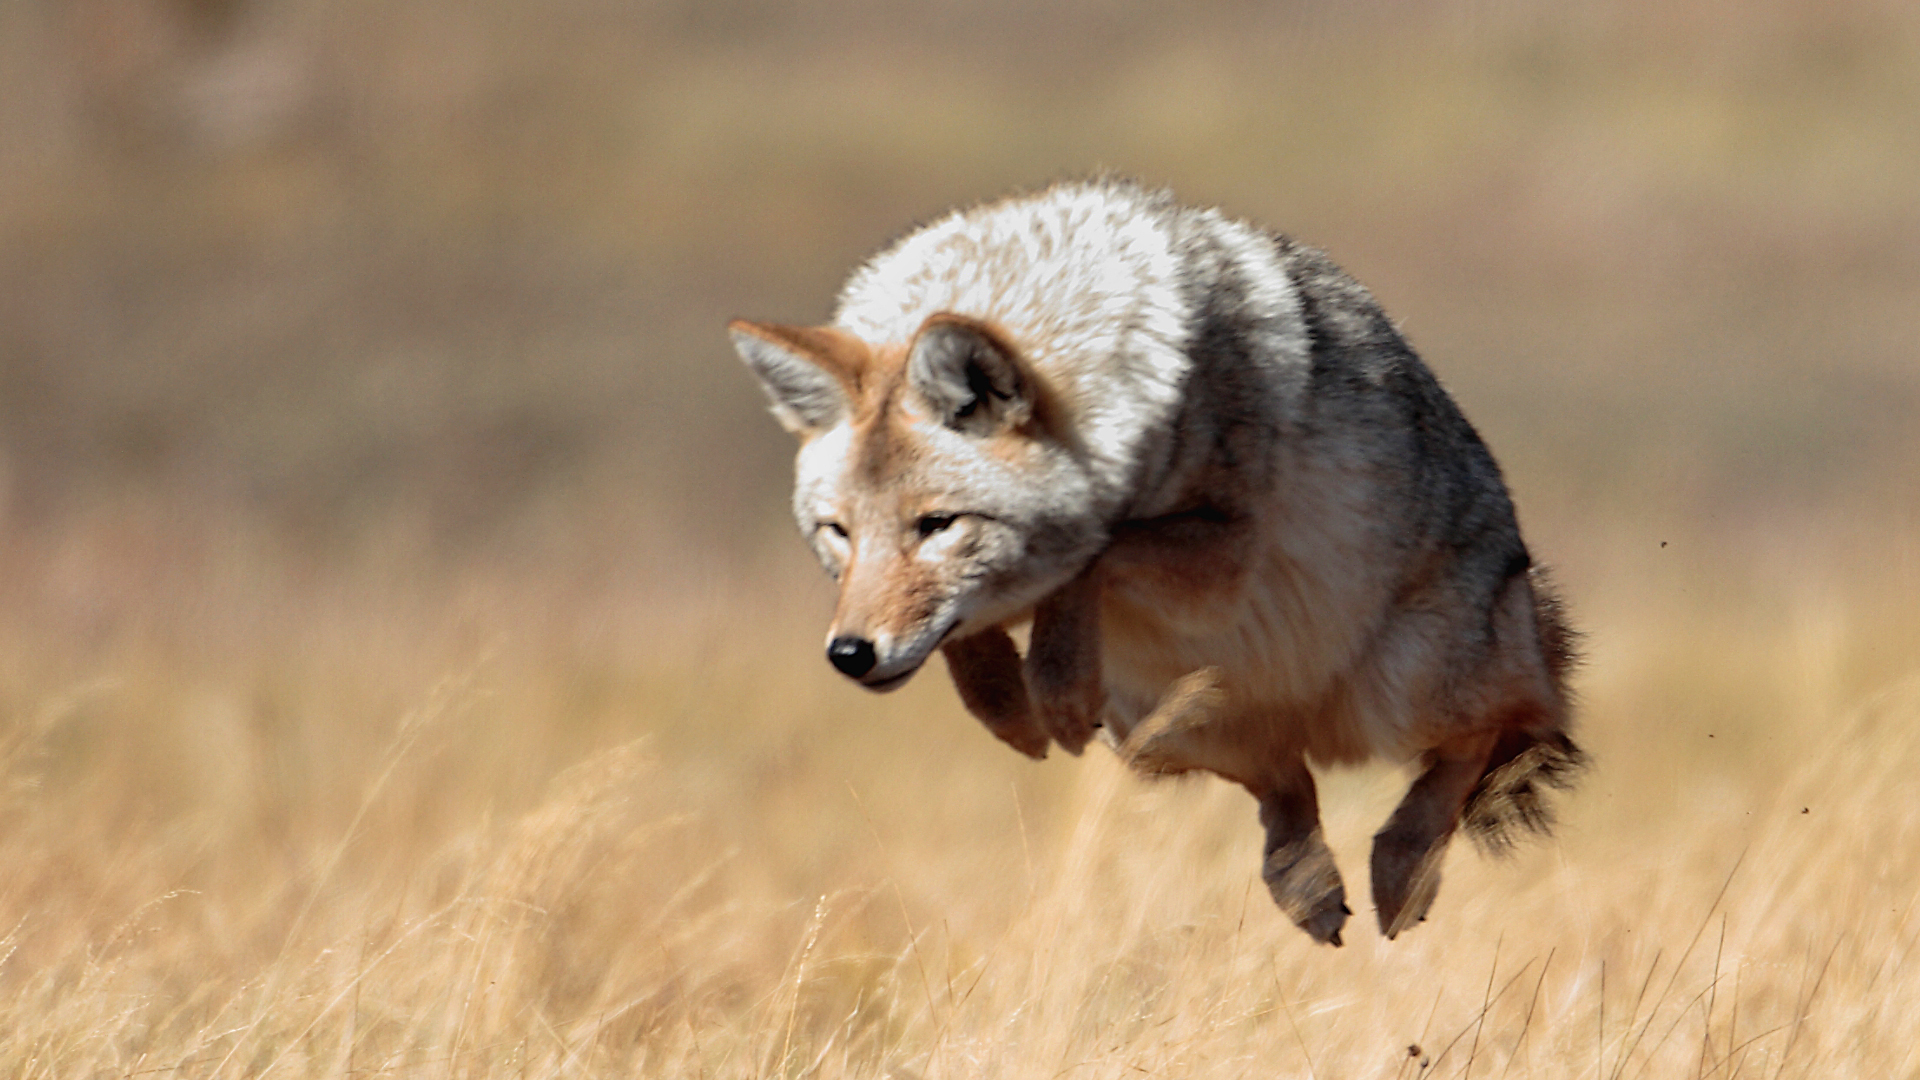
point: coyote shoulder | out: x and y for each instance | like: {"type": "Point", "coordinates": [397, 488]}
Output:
{"type": "Point", "coordinates": [1247, 525]}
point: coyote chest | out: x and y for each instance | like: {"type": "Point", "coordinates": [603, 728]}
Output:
{"type": "Point", "coordinates": [1279, 654]}
{"type": "Point", "coordinates": [1248, 527]}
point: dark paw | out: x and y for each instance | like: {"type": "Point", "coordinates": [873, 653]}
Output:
{"type": "Point", "coordinates": [1306, 886]}
{"type": "Point", "coordinates": [1025, 737]}
{"type": "Point", "coordinates": [1406, 877]}
{"type": "Point", "coordinates": [1070, 715]}
{"type": "Point", "coordinates": [1324, 926]}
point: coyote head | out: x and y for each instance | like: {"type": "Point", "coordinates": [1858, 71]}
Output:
{"type": "Point", "coordinates": [936, 482]}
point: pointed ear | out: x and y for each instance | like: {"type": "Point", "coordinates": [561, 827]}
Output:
{"type": "Point", "coordinates": [796, 367]}
{"type": "Point", "coordinates": [972, 381]}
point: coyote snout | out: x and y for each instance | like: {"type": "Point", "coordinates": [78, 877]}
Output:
{"type": "Point", "coordinates": [1247, 526]}
{"type": "Point", "coordinates": [859, 660]}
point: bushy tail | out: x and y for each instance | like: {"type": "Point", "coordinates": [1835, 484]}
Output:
{"type": "Point", "coordinates": [1512, 794]}
{"type": "Point", "coordinates": [1529, 759]}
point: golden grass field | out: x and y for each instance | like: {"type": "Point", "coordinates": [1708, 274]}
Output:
{"type": "Point", "coordinates": [407, 668]}
{"type": "Point", "coordinates": [257, 827]}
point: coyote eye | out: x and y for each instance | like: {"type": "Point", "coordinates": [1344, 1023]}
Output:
{"type": "Point", "coordinates": [934, 523]}
{"type": "Point", "coordinates": [835, 528]}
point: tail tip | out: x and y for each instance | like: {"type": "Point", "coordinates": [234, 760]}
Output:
{"type": "Point", "coordinates": [1512, 795]}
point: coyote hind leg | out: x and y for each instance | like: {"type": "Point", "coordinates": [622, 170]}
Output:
{"type": "Point", "coordinates": [1298, 867]}
{"type": "Point", "coordinates": [1407, 852]}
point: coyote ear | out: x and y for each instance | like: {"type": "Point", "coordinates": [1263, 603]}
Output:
{"type": "Point", "coordinates": [973, 383]}
{"type": "Point", "coordinates": [792, 365]}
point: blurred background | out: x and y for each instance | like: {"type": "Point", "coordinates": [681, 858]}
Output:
{"type": "Point", "coordinates": [355, 305]}
{"type": "Point", "coordinates": [456, 269]}
{"type": "Point", "coordinates": [356, 349]}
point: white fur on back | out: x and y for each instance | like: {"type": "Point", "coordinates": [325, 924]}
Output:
{"type": "Point", "coordinates": [1084, 279]}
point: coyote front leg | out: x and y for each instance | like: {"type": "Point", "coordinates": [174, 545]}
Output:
{"type": "Point", "coordinates": [986, 671]}
{"type": "Point", "coordinates": [1063, 662]}
{"type": "Point", "coordinates": [1407, 851]}
{"type": "Point", "coordinates": [1178, 558]}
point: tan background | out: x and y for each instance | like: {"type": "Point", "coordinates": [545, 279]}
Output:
{"type": "Point", "coordinates": [371, 453]}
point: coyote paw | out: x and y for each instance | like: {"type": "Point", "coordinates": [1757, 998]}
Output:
{"type": "Point", "coordinates": [1023, 735]}
{"type": "Point", "coordinates": [1069, 712]}
{"type": "Point", "coordinates": [1306, 885]}
{"type": "Point", "coordinates": [986, 672]}
{"type": "Point", "coordinates": [1406, 876]}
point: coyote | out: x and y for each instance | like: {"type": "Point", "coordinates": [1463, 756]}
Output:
{"type": "Point", "coordinates": [1247, 525]}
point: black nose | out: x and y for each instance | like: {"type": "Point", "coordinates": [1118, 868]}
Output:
{"type": "Point", "coordinates": [852, 655]}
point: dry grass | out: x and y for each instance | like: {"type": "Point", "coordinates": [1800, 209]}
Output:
{"type": "Point", "coordinates": [341, 830]}
{"type": "Point", "coordinates": [406, 667]}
